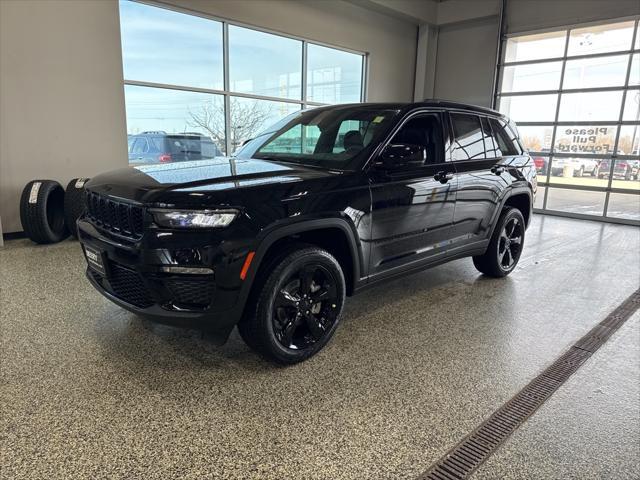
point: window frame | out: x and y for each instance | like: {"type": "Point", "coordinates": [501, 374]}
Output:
{"type": "Point", "coordinates": [544, 180]}
{"type": "Point", "coordinates": [227, 93]}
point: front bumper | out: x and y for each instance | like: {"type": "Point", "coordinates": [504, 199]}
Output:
{"type": "Point", "coordinates": [135, 279]}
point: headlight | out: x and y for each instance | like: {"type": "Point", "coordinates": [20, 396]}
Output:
{"type": "Point", "coordinates": [194, 218]}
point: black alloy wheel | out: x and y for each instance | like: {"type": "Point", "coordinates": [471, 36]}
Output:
{"type": "Point", "coordinates": [505, 246]}
{"type": "Point", "coordinates": [510, 243]}
{"type": "Point", "coordinates": [305, 308]}
{"type": "Point", "coordinates": [295, 305]}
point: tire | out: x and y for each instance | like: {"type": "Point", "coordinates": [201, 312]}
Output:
{"type": "Point", "coordinates": [74, 204]}
{"type": "Point", "coordinates": [279, 319]}
{"type": "Point", "coordinates": [492, 263]}
{"type": "Point", "coordinates": [42, 211]}
{"type": "Point", "coordinates": [579, 173]}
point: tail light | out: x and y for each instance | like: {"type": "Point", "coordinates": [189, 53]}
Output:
{"type": "Point", "coordinates": [164, 158]}
{"type": "Point", "coordinates": [538, 162]}
{"type": "Point", "coordinates": [622, 164]}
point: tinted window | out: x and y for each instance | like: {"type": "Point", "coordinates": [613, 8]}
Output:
{"type": "Point", "coordinates": [490, 143]}
{"type": "Point", "coordinates": [505, 143]}
{"type": "Point", "coordinates": [139, 146]}
{"type": "Point", "coordinates": [467, 142]}
{"type": "Point", "coordinates": [425, 131]}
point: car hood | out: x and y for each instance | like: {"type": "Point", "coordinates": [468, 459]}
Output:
{"type": "Point", "coordinates": [156, 183]}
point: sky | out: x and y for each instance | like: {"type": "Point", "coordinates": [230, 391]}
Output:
{"type": "Point", "coordinates": [172, 48]}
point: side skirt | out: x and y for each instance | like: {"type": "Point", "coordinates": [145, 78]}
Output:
{"type": "Point", "coordinates": [476, 248]}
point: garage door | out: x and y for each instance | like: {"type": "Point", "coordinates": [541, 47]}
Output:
{"type": "Point", "coordinates": [575, 94]}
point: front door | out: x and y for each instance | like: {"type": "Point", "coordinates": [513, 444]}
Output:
{"type": "Point", "coordinates": [412, 204]}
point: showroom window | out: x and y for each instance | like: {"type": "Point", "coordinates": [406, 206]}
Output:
{"type": "Point", "coordinates": [575, 95]}
{"type": "Point", "coordinates": [191, 80]}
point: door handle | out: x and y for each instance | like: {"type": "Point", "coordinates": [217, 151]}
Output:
{"type": "Point", "coordinates": [497, 169]}
{"type": "Point", "coordinates": [443, 177]}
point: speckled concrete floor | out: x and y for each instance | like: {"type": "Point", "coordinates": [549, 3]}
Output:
{"type": "Point", "coordinates": [91, 391]}
{"type": "Point", "coordinates": [589, 429]}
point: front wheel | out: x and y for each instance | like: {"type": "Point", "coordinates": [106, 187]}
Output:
{"type": "Point", "coordinates": [298, 307]}
{"type": "Point", "coordinates": [505, 246]}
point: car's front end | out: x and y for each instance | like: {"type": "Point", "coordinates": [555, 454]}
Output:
{"type": "Point", "coordinates": [189, 276]}
{"type": "Point", "coordinates": [172, 242]}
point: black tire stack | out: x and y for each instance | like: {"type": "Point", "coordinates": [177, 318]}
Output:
{"type": "Point", "coordinates": [42, 211]}
{"type": "Point", "coordinates": [48, 213]}
{"type": "Point", "coordinates": [74, 204]}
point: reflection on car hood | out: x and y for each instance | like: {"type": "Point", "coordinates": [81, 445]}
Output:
{"type": "Point", "coordinates": [141, 183]}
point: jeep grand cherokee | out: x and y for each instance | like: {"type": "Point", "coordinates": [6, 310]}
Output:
{"type": "Point", "coordinates": [329, 202]}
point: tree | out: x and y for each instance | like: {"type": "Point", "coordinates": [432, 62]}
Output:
{"type": "Point", "coordinates": [248, 117]}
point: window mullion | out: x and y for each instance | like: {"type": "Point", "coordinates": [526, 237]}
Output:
{"type": "Point", "coordinates": [227, 88]}
{"type": "Point", "coordinates": [303, 88]}
{"type": "Point", "coordinates": [557, 115]}
{"type": "Point", "coordinates": [614, 155]}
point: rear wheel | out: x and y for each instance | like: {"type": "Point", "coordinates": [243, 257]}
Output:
{"type": "Point", "coordinates": [298, 307]}
{"type": "Point", "coordinates": [505, 246]}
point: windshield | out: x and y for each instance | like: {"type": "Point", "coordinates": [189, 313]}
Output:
{"type": "Point", "coordinates": [326, 138]}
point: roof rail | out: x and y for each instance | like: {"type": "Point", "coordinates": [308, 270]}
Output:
{"type": "Point", "coordinates": [153, 132]}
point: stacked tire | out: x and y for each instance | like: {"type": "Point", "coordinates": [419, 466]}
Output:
{"type": "Point", "coordinates": [74, 204]}
{"type": "Point", "coordinates": [42, 211]}
{"type": "Point", "coordinates": [48, 213]}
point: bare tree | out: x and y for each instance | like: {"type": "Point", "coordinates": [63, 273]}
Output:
{"type": "Point", "coordinates": [248, 118]}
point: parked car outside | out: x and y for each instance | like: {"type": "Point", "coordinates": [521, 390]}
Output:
{"type": "Point", "coordinates": [274, 239]}
{"type": "Point", "coordinates": [162, 147]}
{"type": "Point", "coordinates": [541, 163]}
{"type": "Point", "coordinates": [622, 169]}
{"type": "Point", "coordinates": [579, 166]}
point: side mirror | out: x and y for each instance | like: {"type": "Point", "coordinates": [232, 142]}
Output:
{"type": "Point", "coordinates": [398, 155]}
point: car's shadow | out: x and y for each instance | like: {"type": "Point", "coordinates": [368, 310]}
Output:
{"type": "Point", "coordinates": [136, 344]}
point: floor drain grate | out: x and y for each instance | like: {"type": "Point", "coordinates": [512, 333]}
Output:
{"type": "Point", "coordinates": [470, 453]}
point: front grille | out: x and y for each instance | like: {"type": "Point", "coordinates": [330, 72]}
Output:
{"type": "Point", "coordinates": [128, 286]}
{"type": "Point", "coordinates": [191, 291]}
{"type": "Point", "coordinates": [122, 218]}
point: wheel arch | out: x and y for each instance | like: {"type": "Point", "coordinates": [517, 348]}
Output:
{"type": "Point", "coordinates": [522, 201]}
{"type": "Point", "coordinates": [335, 235]}
{"type": "Point", "coordinates": [520, 198]}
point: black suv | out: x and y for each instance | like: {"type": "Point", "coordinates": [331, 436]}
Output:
{"type": "Point", "coordinates": [322, 205]}
{"type": "Point", "coordinates": [162, 147]}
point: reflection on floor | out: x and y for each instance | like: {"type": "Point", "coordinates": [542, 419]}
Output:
{"type": "Point", "coordinates": [90, 390]}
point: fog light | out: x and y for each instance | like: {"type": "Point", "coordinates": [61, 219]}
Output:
{"type": "Point", "coordinates": [188, 270]}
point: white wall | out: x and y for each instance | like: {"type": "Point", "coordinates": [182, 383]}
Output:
{"type": "Point", "coordinates": [465, 61]}
{"type": "Point", "coordinates": [523, 15]}
{"type": "Point", "coordinates": [62, 108]}
{"type": "Point", "coordinates": [61, 94]}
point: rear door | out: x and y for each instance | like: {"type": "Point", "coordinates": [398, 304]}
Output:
{"type": "Point", "coordinates": [481, 157]}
